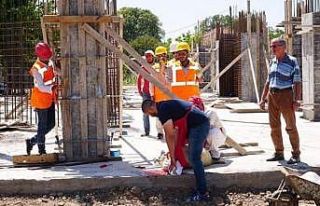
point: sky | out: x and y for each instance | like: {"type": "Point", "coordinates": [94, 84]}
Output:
{"type": "Point", "coordinates": [180, 16]}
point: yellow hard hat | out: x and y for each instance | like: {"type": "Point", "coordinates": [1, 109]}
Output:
{"type": "Point", "coordinates": [183, 46]}
{"type": "Point", "coordinates": [161, 50]}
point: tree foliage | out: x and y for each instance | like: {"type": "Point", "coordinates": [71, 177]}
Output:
{"type": "Point", "coordinates": [211, 22]}
{"type": "Point", "coordinates": [275, 32]}
{"type": "Point", "coordinates": [145, 42]}
{"type": "Point", "coordinates": [139, 22]}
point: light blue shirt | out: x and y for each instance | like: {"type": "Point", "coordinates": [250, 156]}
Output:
{"type": "Point", "coordinates": [284, 73]}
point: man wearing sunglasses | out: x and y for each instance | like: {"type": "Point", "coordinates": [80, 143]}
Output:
{"type": "Point", "coordinates": [282, 93]}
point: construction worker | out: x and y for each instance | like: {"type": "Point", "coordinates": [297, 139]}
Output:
{"type": "Point", "coordinates": [161, 67]}
{"type": "Point", "coordinates": [43, 95]}
{"type": "Point", "coordinates": [182, 115]}
{"type": "Point", "coordinates": [185, 79]}
{"type": "Point", "coordinates": [173, 51]}
{"type": "Point", "coordinates": [146, 91]}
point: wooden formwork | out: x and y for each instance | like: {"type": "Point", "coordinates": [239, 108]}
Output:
{"type": "Point", "coordinates": [91, 78]}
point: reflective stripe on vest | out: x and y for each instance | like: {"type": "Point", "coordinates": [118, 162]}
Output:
{"type": "Point", "coordinates": [39, 99]}
{"type": "Point", "coordinates": [185, 84]}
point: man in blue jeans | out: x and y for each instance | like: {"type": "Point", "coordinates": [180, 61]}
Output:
{"type": "Point", "coordinates": [145, 90]}
{"type": "Point", "coordinates": [169, 113]}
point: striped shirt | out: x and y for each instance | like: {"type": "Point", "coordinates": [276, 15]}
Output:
{"type": "Point", "coordinates": [284, 73]}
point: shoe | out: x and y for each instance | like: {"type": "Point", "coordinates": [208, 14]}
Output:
{"type": "Point", "coordinates": [293, 160]}
{"type": "Point", "coordinates": [276, 157]}
{"type": "Point", "coordinates": [144, 135]}
{"type": "Point", "coordinates": [41, 149]}
{"type": "Point", "coordinates": [197, 196]}
{"type": "Point", "coordinates": [29, 146]}
{"type": "Point", "coordinates": [160, 136]}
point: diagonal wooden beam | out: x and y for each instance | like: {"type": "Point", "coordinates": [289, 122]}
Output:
{"type": "Point", "coordinates": [133, 53]}
{"type": "Point", "coordinates": [253, 73]}
{"type": "Point", "coordinates": [224, 71]}
{"type": "Point", "coordinates": [97, 36]}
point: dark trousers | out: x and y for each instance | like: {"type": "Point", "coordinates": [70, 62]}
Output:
{"type": "Point", "coordinates": [196, 138]}
{"type": "Point", "coordinates": [46, 122]}
{"type": "Point", "coordinates": [281, 102]}
{"type": "Point", "coordinates": [146, 121]}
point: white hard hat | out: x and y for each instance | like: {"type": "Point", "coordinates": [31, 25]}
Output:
{"type": "Point", "coordinates": [149, 52]}
{"type": "Point", "coordinates": [174, 46]}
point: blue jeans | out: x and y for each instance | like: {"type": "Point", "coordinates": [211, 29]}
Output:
{"type": "Point", "coordinates": [46, 122]}
{"type": "Point", "coordinates": [146, 121]}
{"type": "Point", "coordinates": [196, 138]}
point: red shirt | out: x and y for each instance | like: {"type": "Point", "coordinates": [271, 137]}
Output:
{"type": "Point", "coordinates": [144, 86]}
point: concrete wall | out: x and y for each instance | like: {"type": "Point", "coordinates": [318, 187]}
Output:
{"type": "Point", "coordinates": [311, 67]}
{"type": "Point", "coordinates": [247, 85]}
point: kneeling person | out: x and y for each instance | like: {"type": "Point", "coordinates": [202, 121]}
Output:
{"type": "Point", "coordinates": [197, 125]}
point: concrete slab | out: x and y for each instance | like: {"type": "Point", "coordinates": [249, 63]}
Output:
{"type": "Point", "coordinates": [251, 171]}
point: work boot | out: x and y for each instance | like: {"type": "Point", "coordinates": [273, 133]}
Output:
{"type": "Point", "coordinates": [41, 149]}
{"type": "Point", "coordinates": [197, 197]}
{"type": "Point", "coordinates": [160, 136]}
{"type": "Point", "coordinates": [276, 157]}
{"type": "Point", "coordinates": [293, 160]}
{"type": "Point", "coordinates": [144, 135]}
{"type": "Point", "coordinates": [29, 146]}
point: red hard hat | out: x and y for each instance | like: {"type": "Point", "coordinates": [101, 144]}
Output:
{"type": "Point", "coordinates": [43, 51]}
{"type": "Point", "coordinates": [197, 101]}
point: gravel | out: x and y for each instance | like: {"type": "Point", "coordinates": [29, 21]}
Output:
{"type": "Point", "coordinates": [136, 196]}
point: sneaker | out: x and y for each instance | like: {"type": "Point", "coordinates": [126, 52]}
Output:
{"type": "Point", "coordinates": [160, 136]}
{"type": "Point", "coordinates": [197, 196]}
{"type": "Point", "coordinates": [276, 157]}
{"type": "Point", "coordinates": [29, 146]}
{"type": "Point", "coordinates": [293, 160]}
{"type": "Point", "coordinates": [144, 135]}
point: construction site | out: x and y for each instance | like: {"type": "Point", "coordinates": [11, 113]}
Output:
{"type": "Point", "coordinates": [95, 153]}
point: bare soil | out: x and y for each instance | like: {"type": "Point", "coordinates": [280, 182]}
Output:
{"type": "Point", "coordinates": [137, 196]}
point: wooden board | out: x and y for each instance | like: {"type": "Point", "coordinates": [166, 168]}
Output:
{"type": "Point", "coordinates": [244, 108]}
{"type": "Point", "coordinates": [35, 159]}
{"type": "Point", "coordinates": [79, 19]}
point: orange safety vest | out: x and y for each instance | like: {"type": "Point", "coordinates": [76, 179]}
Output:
{"type": "Point", "coordinates": [185, 84]}
{"type": "Point", "coordinates": [42, 100]}
{"type": "Point", "coordinates": [158, 94]}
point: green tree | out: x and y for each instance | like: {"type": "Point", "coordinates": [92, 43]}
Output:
{"type": "Point", "coordinates": [145, 42]}
{"type": "Point", "coordinates": [275, 32]}
{"type": "Point", "coordinates": [139, 22]}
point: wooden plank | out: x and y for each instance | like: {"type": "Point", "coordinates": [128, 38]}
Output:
{"type": "Point", "coordinates": [83, 85]}
{"type": "Point", "coordinates": [35, 159]}
{"type": "Point", "coordinates": [128, 61]}
{"type": "Point", "coordinates": [44, 32]}
{"type": "Point", "coordinates": [253, 76]}
{"type": "Point", "coordinates": [79, 19]}
{"type": "Point", "coordinates": [244, 107]}
{"type": "Point", "coordinates": [224, 71]}
{"type": "Point", "coordinates": [235, 145]}
{"type": "Point", "coordinates": [121, 80]}
{"type": "Point", "coordinates": [134, 54]}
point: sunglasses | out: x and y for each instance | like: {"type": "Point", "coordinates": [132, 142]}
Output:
{"type": "Point", "coordinates": [276, 45]}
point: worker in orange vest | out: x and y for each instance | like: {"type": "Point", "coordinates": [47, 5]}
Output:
{"type": "Point", "coordinates": [185, 76]}
{"type": "Point", "coordinates": [161, 67]}
{"type": "Point", "coordinates": [43, 95]}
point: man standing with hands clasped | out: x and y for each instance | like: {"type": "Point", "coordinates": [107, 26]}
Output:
{"type": "Point", "coordinates": [282, 93]}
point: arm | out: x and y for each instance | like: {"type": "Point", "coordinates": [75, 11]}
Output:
{"type": "Point", "coordinates": [170, 138]}
{"type": "Point", "coordinates": [39, 82]}
{"type": "Point", "coordinates": [297, 86]}
{"type": "Point", "coordinates": [264, 96]}
{"type": "Point", "coordinates": [139, 84]}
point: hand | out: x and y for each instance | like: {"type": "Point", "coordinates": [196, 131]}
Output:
{"type": "Point", "coordinates": [296, 105]}
{"type": "Point", "coordinates": [262, 104]}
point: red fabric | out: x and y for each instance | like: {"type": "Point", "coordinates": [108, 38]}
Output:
{"type": "Point", "coordinates": [197, 101]}
{"type": "Point", "coordinates": [181, 141]}
{"type": "Point", "coordinates": [144, 85]}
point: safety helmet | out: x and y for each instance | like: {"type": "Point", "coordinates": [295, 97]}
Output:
{"type": "Point", "coordinates": [43, 51]}
{"type": "Point", "coordinates": [197, 101]}
{"type": "Point", "coordinates": [149, 52]}
{"type": "Point", "coordinates": [161, 50]}
{"type": "Point", "coordinates": [183, 46]}
{"type": "Point", "coordinates": [173, 47]}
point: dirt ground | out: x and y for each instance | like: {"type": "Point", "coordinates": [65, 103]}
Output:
{"type": "Point", "coordinates": [136, 196]}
